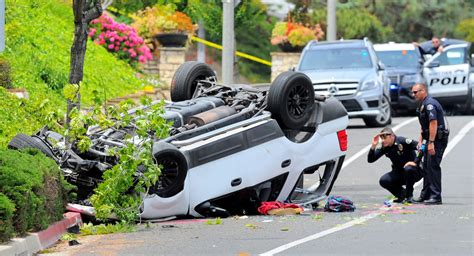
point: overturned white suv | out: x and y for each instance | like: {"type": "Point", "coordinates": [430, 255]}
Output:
{"type": "Point", "coordinates": [231, 147]}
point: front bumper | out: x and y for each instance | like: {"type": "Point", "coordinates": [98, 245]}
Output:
{"type": "Point", "coordinates": [362, 104]}
{"type": "Point", "coordinates": [401, 98]}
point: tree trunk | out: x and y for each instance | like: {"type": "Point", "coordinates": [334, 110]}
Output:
{"type": "Point", "coordinates": [84, 12]}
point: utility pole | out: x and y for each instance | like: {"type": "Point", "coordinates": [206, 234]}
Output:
{"type": "Point", "coordinates": [228, 41]}
{"type": "Point", "coordinates": [201, 49]}
{"type": "Point", "coordinates": [331, 20]}
{"type": "Point", "coordinates": [2, 25]}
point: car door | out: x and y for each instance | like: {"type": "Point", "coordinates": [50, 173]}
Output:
{"type": "Point", "coordinates": [446, 73]}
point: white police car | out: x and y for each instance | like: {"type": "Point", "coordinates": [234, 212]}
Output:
{"type": "Point", "coordinates": [450, 75]}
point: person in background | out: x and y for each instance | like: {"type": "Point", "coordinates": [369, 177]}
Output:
{"type": "Point", "coordinates": [436, 47]}
{"type": "Point", "coordinates": [405, 171]}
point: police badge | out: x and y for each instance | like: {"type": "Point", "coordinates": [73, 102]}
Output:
{"type": "Point", "coordinates": [400, 147]}
{"type": "Point", "coordinates": [422, 107]}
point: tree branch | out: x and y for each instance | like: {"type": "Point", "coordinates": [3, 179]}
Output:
{"type": "Point", "coordinates": [94, 12]}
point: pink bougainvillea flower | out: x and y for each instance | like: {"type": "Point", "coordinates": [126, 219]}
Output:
{"type": "Point", "coordinates": [119, 38]}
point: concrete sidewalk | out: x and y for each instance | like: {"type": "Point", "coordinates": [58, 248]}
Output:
{"type": "Point", "coordinates": [35, 242]}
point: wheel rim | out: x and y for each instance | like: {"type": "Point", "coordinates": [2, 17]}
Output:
{"type": "Point", "coordinates": [384, 116]}
{"type": "Point", "coordinates": [298, 101]}
{"type": "Point", "coordinates": [196, 81]}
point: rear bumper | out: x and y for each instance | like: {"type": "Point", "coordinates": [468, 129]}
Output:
{"type": "Point", "coordinates": [364, 113]}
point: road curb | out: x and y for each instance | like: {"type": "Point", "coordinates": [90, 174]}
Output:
{"type": "Point", "coordinates": [35, 242]}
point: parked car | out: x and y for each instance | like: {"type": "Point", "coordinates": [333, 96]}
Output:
{"type": "Point", "coordinates": [231, 147]}
{"type": "Point", "coordinates": [404, 66]}
{"type": "Point", "coordinates": [350, 71]}
{"type": "Point", "coordinates": [450, 75]}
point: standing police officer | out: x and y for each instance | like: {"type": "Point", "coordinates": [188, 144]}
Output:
{"type": "Point", "coordinates": [435, 133]}
{"type": "Point", "coordinates": [405, 171]}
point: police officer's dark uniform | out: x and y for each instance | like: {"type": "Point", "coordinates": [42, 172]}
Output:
{"type": "Point", "coordinates": [432, 50]}
{"type": "Point", "coordinates": [402, 151]}
{"type": "Point", "coordinates": [431, 109]}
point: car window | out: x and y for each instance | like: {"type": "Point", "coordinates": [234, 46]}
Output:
{"type": "Point", "coordinates": [336, 59]}
{"type": "Point", "coordinates": [454, 56]}
{"type": "Point", "coordinates": [401, 58]}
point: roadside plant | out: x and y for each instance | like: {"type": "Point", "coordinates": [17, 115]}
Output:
{"type": "Point", "coordinates": [295, 34]}
{"type": "Point", "coordinates": [120, 39]}
{"type": "Point", "coordinates": [102, 229]}
{"type": "Point", "coordinates": [124, 185]}
{"type": "Point", "coordinates": [162, 19]}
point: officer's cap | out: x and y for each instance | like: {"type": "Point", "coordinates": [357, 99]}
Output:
{"type": "Point", "coordinates": [386, 131]}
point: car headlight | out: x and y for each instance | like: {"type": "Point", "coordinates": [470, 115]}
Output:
{"type": "Point", "coordinates": [368, 85]}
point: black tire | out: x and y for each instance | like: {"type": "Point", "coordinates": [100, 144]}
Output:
{"type": "Point", "coordinates": [291, 99]}
{"type": "Point", "coordinates": [381, 120]}
{"type": "Point", "coordinates": [185, 79]}
{"type": "Point", "coordinates": [22, 141]}
{"type": "Point", "coordinates": [173, 172]}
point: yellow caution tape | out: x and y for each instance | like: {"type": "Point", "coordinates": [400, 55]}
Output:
{"type": "Point", "coordinates": [208, 43]}
{"type": "Point", "coordinates": [113, 9]}
{"type": "Point", "coordinates": [240, 54]}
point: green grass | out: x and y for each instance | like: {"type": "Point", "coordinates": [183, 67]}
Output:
{"type": "Point", "coordinates": [39, 35]}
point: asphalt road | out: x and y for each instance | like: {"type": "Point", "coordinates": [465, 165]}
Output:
{"type": "Point", "coordinates": [373, 229]}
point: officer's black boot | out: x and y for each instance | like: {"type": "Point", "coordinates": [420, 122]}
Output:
{"type": "Point", "coordinates": [401, 197]}
{"type": "Point", "coordinates": [419, 200]}
{"type": "Point", "coordinates": [409, 198]}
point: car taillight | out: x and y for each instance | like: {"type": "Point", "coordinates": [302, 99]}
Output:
{"type": "Point", "coordinates": [342, 137]}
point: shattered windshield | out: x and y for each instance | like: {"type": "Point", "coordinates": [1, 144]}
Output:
{"type": "Point", "coordinates": [341, 58]}
{"type": "Point", "coordinates": [399, 59]}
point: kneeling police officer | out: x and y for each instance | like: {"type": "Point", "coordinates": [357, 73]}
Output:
{"type": "Point", "coordinates": [405, 170]}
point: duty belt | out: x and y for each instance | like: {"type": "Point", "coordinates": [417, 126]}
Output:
{"type": "Point", "coordinates": [441, 133]}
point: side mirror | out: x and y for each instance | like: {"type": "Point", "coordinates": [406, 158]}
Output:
{"type": "Point", "coordinates": [292, 68]}
{"type": "Point", "coordinates": [381, 66]}
{"type": "Point", "coordinates": [433, 64]}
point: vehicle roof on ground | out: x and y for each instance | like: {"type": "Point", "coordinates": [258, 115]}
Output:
{"type": "Point", "coordinates": [391, 46]}
{"type": "Point", "coordinates": [353, 43]}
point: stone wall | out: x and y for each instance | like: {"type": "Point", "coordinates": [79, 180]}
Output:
{"type": "Point", "coordinates": [283, 61]}
{"type": "Point", "coordinates": [170, 59]}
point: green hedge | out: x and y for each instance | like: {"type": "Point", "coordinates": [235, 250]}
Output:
{"type": "Point", "coordinates": [39, 36]}
{"type": "Point", "coordinates": [6, 218]}
{"type": "Point", "coordinates": [34, 186]}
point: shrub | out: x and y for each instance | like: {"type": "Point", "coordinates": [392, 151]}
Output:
{"type": "Point", "coordinates": [162, 19]}
{"type": "Point", "coordinates": [120, 39]}
{"type": "Point", "coordinates": [295, 33]}
{"type": "Point", "coordinates": [6, 218]}
{"type": "Point", "coordinates": [34, 184]}
{"type": "Point", "coordinates": [5, 77]}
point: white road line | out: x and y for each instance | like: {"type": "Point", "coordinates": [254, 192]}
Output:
{"type": "Point", "coordinates": [453, 143]}
{"type": "Point", "coordinates": [367, 217]}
